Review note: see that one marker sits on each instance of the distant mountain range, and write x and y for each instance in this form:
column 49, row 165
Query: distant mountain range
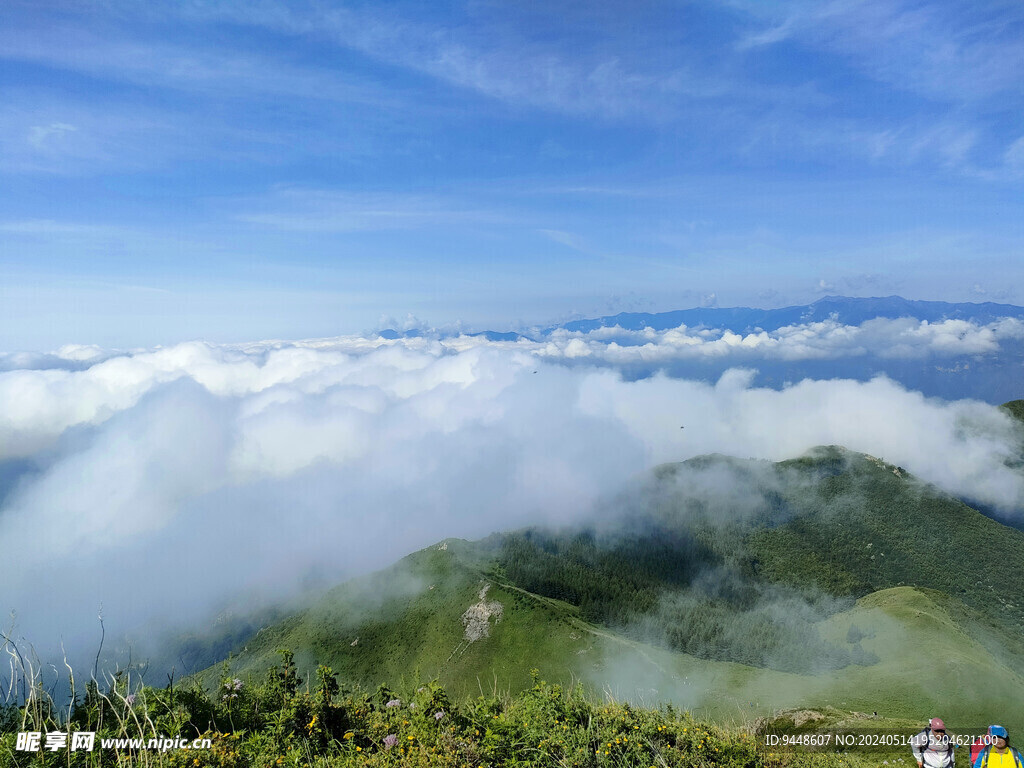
column 843, row 309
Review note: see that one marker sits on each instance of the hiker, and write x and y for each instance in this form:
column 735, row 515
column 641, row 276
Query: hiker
column 999, row 753
column 932, row 748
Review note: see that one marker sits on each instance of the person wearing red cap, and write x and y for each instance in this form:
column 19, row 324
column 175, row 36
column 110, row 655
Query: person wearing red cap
column 932, row 748
column 999, row 753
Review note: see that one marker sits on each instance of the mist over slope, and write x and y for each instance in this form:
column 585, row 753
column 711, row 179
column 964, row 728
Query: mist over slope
column 170, row 482
column 812, row 580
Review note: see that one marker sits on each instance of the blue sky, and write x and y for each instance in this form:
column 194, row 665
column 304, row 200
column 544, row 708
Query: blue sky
column 233, row 171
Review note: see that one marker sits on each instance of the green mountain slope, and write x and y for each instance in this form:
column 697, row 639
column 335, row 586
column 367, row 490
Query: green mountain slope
column 871, row 526
column 929, row 657
column 735, row 587
column 1015, row 408
column 734, row 560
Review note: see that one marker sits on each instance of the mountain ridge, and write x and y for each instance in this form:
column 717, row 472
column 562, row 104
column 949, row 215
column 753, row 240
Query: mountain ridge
column 843, row 309
column 771, row 580
column 848, row 310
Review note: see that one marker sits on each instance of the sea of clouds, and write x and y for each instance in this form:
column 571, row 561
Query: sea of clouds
column 165, row 483
column 900, row 338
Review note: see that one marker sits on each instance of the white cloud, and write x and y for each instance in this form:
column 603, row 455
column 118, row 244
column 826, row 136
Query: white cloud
column 890, row 339
column 960, row 446
column 309, row 210
column 44, row 137
column 169, row 480
column 51, row 400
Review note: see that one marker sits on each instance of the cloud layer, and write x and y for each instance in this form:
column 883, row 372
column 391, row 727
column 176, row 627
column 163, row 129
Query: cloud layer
column 901, row 338
column 163, row 482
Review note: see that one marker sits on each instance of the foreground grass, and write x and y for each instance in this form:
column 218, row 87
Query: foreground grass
column 284, row 721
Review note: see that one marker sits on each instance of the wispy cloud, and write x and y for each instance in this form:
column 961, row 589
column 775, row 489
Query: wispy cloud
column 935, row 55
column 943, row 51
column 496, row 53
column 43, row 137
column 41, row 132
column 584, row 66
column 51, row 227
column 312, row 210
column 568, row 239
column 483, row 59
column 217, row 104
column 1014, row 156
column 220, row 72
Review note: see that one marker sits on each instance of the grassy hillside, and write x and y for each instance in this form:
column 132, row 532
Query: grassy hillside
column 736, row 588
column 423, row 637
column 872, row 526
column 736, row 560
column 408, row 622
